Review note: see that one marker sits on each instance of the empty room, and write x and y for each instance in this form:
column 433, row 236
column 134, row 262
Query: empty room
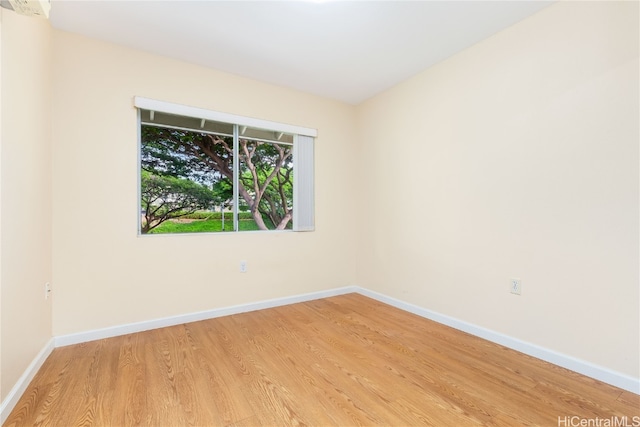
column 326, row 213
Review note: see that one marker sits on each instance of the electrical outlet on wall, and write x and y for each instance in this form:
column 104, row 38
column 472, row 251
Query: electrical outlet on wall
column 516, row 286
column 47, row 290
column 243, row 266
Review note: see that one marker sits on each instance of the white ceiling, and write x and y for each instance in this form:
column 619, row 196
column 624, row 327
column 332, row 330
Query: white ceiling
column 346, row 50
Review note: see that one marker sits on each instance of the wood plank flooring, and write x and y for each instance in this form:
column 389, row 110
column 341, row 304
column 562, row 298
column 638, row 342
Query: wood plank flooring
column 341, row 361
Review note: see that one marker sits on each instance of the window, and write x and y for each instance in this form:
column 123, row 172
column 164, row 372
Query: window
column 204, row 171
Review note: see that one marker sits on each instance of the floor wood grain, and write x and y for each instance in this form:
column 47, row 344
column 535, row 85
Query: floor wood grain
column 341, row 361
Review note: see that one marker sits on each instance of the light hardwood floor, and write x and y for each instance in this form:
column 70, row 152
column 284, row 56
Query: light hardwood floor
column 341, row 361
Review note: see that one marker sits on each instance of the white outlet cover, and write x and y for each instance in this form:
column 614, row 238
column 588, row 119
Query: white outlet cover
column 516, row 286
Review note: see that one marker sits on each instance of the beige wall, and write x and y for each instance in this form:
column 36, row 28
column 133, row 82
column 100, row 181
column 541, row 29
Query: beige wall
column 105, row 274
column 25, row 257
column 516, row 158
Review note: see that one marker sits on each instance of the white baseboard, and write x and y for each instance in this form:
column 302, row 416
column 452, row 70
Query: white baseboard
column 131, row 328
column 21, row 385
column 586, row 368
column 603, row 374
column 577, row 365
column 18, row 390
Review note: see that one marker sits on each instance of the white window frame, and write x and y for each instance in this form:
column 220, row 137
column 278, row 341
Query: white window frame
column 303, row 154
column 216, row 116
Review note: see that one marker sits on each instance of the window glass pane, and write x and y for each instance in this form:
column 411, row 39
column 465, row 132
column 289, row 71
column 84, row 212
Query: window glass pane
column 265, row 185
column 185, row 181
